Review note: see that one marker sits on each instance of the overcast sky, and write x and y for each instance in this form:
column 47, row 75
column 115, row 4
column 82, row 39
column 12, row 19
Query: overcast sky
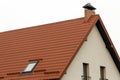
column 17, row 14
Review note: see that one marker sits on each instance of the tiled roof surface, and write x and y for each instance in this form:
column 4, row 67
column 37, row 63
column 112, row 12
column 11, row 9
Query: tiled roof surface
column 54, row 45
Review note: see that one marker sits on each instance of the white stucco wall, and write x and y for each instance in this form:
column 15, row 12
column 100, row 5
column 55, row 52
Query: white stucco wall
column 94, row 52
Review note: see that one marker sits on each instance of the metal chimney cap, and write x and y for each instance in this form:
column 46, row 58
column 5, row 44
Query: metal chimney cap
column 89, row 6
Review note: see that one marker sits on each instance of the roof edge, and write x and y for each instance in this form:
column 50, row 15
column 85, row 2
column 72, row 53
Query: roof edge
column 103, row 32
column 108, row 42
column 91, row 26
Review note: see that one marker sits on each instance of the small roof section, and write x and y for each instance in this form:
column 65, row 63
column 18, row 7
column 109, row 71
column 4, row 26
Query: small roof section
column 89, row 6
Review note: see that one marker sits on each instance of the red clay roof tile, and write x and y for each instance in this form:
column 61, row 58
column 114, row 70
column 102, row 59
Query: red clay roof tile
column 54, row 45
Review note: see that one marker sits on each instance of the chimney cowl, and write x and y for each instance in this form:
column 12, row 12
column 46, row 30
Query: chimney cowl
column 89, row 6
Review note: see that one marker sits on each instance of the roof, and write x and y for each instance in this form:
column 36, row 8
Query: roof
column 54, row 45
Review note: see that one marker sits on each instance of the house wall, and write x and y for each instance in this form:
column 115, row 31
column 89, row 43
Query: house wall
column 94, row 52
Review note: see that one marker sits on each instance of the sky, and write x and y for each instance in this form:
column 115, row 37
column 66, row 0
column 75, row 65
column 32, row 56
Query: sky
column 17, row 14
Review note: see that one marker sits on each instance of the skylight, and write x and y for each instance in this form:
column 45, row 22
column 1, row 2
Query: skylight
column 30, row 66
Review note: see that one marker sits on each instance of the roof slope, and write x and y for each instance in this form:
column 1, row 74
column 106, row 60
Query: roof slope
column 54, row 45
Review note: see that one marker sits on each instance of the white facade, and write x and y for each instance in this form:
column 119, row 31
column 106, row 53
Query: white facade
column 95, row 53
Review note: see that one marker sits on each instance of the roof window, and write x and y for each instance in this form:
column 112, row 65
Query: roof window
column 31, row 65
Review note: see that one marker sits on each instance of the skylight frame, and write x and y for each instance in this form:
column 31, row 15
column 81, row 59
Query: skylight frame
column 30, row 67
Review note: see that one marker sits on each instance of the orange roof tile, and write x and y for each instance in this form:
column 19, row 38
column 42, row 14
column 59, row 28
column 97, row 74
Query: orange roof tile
column 54, row 45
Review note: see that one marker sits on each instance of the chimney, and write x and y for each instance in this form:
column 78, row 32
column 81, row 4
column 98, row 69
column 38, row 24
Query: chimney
column 89, row 11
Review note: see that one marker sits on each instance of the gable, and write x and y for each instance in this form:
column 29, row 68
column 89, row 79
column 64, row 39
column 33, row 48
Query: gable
column 109, row 45
column 52, row 45
column 94, row 52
